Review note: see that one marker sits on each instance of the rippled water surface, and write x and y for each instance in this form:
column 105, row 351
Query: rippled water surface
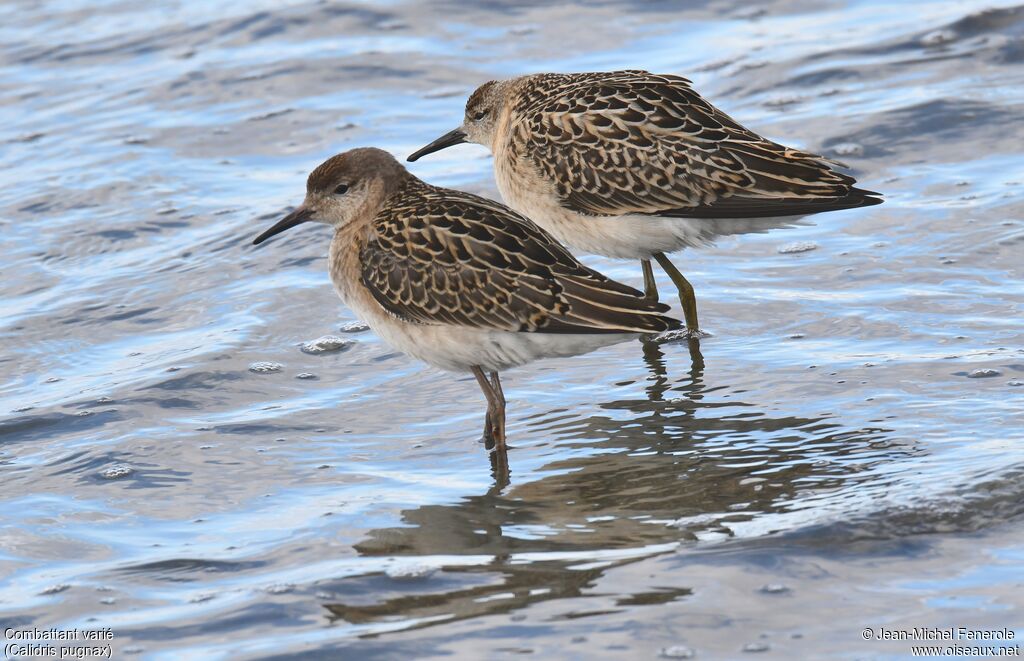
column 846, row 453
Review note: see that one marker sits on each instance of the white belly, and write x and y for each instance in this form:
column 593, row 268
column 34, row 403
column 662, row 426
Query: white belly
column 457, row 349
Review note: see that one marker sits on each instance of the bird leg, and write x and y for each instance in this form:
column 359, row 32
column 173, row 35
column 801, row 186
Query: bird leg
column 499, row 458
column 488, row 391
column 650, row 286
column 498, row 417
column 686, row 295
column 494, row 427
column 488, row 429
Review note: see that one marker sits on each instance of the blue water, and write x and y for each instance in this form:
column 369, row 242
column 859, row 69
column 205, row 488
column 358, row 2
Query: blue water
column 852, row 432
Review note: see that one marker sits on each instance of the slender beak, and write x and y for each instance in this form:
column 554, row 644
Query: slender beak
column 297, row 217
column 456, row 137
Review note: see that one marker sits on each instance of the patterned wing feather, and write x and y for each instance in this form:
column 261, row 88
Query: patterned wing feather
column 443, row 257
column 634, row 142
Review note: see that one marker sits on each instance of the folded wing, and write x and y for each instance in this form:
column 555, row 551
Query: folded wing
column 631, row 142
column 445, row 257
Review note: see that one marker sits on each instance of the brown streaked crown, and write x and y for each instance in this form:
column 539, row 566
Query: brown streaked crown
column 479, row 97
column 354, row 166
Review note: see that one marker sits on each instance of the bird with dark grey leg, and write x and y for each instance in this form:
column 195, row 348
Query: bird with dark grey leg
column 635, row 165
column 458, row 281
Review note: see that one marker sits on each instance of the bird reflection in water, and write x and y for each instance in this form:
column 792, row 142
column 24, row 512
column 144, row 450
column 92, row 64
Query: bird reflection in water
column 637, row 477
column 654, row 358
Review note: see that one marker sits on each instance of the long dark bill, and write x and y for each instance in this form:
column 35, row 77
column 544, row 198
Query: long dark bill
column 456, row 137
column 297, row 217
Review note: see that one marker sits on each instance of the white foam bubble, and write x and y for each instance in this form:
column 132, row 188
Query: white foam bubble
column 797, row 246
column 326, row 344
column 265, row 367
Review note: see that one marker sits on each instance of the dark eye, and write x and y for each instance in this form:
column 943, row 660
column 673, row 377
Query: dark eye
column 341, row 189
column 479, row 115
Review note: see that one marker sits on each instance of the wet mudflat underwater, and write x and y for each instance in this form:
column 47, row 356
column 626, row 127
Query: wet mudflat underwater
column 202, row 450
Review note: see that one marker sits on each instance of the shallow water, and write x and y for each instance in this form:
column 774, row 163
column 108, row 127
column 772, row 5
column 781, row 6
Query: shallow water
column 847, row 453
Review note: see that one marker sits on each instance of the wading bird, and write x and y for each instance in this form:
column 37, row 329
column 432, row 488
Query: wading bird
column 458, row 281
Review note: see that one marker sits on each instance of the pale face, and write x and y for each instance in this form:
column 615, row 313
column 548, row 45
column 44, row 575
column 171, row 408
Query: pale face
column 482, row 112
column 340, row 203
